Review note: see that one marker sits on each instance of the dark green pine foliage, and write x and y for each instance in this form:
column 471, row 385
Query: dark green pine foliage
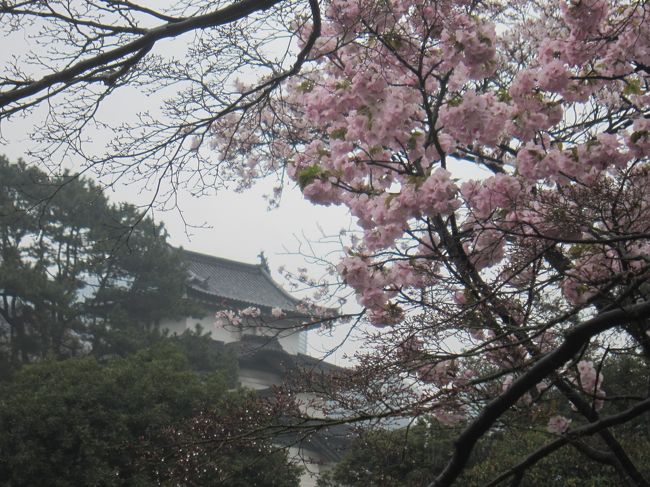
column 78, row 273
column 89, row 422
column 401, row 457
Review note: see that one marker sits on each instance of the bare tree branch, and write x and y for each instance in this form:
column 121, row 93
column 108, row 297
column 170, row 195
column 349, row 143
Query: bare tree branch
column 574, row 340
column 143, row 44
column 572, row 435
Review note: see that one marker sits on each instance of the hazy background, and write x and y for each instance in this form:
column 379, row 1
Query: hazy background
column 232, row 225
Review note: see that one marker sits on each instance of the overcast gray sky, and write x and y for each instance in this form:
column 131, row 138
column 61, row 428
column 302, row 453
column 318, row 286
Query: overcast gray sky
column 232, row 225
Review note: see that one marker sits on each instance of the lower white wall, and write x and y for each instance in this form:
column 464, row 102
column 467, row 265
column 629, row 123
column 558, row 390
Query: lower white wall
column 222, row 334
column 312, row 462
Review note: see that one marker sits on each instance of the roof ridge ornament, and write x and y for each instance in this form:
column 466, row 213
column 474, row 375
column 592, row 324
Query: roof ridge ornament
column 195, row 278
column 264, row 262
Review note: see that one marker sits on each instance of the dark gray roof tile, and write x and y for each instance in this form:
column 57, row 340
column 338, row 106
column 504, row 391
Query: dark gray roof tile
column 247, row 283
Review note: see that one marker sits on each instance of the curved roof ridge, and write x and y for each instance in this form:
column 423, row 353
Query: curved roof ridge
column 239, row 281
column 223, row 260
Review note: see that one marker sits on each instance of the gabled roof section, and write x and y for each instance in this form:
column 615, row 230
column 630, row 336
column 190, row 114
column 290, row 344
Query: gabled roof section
column 249, row 284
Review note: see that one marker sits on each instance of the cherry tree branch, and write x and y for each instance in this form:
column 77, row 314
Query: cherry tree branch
column 573, row 342
column 571, row 435
column 143, row 44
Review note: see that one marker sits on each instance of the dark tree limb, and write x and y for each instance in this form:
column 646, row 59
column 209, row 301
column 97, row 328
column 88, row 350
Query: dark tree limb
column 140, row 45
column 624, row 463
column 570, row 436
column 573, row 342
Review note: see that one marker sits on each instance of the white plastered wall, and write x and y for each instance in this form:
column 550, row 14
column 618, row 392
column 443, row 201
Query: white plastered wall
column 207, row 323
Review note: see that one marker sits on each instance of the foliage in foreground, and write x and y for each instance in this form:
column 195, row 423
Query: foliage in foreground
column 410, row 457
column 393, row 458
column 84, row 422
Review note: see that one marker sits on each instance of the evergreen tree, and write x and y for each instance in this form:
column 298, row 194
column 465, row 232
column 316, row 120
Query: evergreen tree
column 82, row 421
column 77, row 272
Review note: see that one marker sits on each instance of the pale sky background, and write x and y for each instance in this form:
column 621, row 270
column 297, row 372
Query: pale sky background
column 232, row 225
column 236, row 226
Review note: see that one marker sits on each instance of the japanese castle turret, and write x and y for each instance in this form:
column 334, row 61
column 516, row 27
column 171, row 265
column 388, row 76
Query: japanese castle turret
column 269, row 337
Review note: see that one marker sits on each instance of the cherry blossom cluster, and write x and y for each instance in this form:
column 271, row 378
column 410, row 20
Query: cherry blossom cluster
column 590, row 381
column 546, row 102
column 249, row 316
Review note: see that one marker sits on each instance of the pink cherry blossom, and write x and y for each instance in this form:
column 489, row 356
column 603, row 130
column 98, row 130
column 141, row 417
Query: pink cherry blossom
column 558, row 425
column 496, row 168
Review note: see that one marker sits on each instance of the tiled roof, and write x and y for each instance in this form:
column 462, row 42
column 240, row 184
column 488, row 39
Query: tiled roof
column 249, row 284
